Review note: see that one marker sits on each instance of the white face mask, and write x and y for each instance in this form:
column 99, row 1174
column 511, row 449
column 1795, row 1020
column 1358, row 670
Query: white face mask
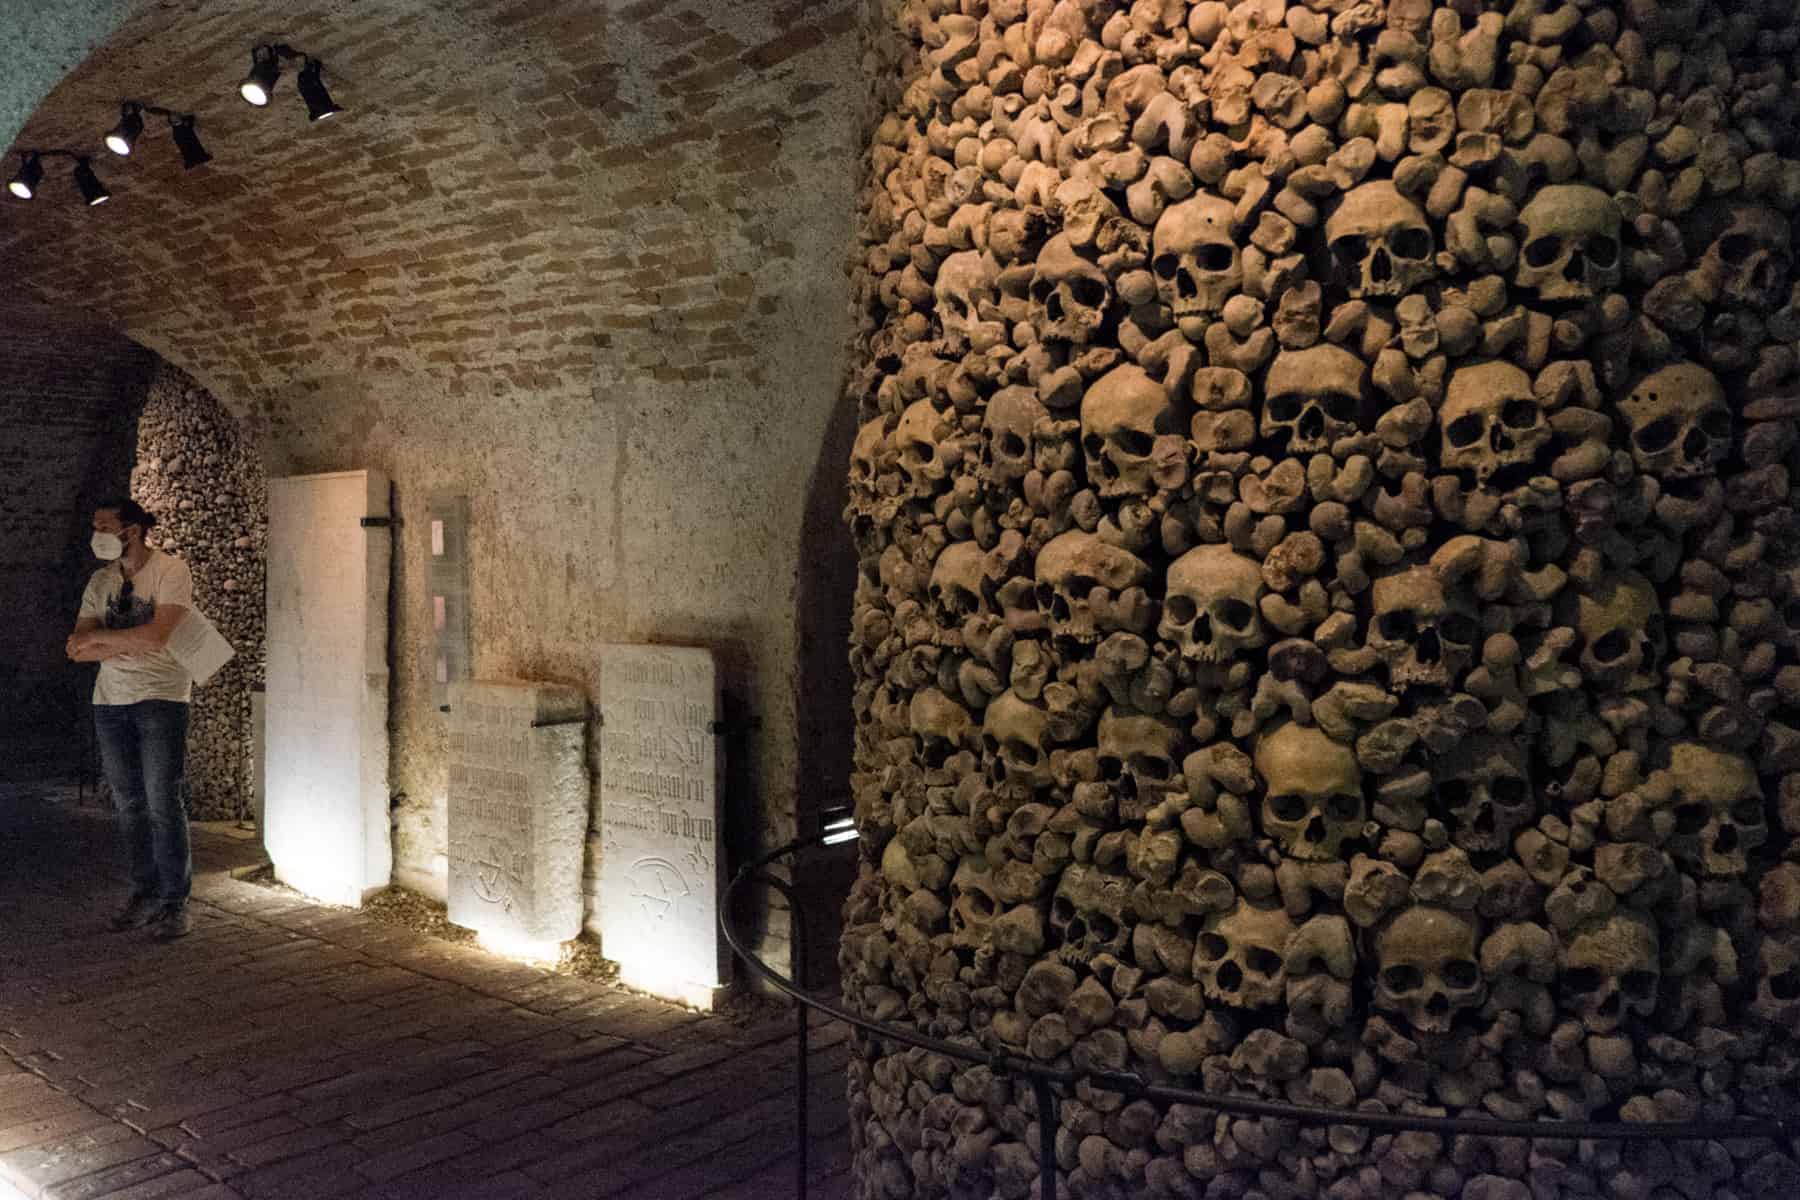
column 107, row 546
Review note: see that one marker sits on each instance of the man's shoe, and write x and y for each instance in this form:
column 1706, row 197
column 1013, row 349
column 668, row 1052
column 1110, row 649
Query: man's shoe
column 138, row 911
column 173, row 922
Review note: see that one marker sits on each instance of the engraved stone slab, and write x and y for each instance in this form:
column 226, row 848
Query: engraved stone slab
column 518, row 808
column 327, row 828
column 660, row 820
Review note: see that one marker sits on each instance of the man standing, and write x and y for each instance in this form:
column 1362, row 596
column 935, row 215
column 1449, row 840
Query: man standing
column 130, row 608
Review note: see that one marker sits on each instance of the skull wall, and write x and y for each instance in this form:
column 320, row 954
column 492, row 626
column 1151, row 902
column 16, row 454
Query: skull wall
column 196, row 471
column 1329, row 618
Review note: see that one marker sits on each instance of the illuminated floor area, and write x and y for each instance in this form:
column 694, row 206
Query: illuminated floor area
column 290, row 1051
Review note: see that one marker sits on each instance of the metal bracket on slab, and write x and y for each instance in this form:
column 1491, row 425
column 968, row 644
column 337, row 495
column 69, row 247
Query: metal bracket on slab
column 377, row 522
column 716, row 728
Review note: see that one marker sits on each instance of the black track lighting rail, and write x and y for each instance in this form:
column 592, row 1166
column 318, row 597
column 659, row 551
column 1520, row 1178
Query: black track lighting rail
column 181, row 125
column 154, row 110
column 266, row 59
column 24, row 183
column 265, row 69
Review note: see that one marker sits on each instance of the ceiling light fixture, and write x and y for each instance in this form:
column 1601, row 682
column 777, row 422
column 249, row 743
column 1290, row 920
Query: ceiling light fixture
column 188, row 142
column 319, row 104
column 265, row 69
column 24, row 184
column 92, row 190
column 125, row 134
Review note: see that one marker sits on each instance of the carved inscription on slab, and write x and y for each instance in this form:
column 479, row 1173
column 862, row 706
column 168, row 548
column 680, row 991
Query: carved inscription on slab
column 660, row 817
column 518, row 808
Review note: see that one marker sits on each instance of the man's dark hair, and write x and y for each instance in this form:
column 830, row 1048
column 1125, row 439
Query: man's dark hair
column 130, row 512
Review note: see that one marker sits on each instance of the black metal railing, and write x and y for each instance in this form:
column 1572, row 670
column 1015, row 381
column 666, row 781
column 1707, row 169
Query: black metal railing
column 1044, row 1079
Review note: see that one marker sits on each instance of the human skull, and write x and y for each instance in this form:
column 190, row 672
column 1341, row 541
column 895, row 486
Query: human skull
column 1078, row 576
column 871, row 454
column 1381, row 244
column 1087, row 914
column 1750, row 255
column 1518, row 961
column 1484, row 788
column 1312, row 792
column 1623, row 638
column 965, row 285
column 1240, row 960
column 959, row 584
column 1321, row 963
column 1211, row 610
column 1426, row 635
column 1313, row 397
column 1137, row 757
column 1571, row 249
column 1007, row 430
column 1680, row 424
column 1720, row 815
column 1016, row 735
column 1122, row 415
column 974, row 903
column 1428, row 967
column 940, row 726
column 1072, row 295
column 1778, row 982
column 1195, row 259
column 1611, row 967
column 1493, row 427
column 1786, row 595
column 919, row 438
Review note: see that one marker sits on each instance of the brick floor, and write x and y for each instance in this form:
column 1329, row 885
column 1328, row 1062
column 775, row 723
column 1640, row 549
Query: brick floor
column 287, row 1050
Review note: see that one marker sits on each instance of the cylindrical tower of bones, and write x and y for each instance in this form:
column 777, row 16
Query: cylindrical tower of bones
column 1329, row 618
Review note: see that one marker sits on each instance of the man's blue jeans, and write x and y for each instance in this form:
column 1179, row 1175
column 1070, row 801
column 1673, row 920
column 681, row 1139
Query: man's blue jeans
column 143, row 749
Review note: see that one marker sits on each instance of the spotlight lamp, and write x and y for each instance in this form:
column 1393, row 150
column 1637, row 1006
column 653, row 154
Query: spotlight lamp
column 181, row 125
column 319, row 104
column 24, row 184
column 92, row 190
column 188, row 142
column 125, row 134
column 31, row 171
column 265, row 69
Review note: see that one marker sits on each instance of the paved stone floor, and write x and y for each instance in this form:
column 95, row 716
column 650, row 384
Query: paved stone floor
column 291, row 1050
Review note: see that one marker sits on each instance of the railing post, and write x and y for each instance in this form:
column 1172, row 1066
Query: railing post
column 1047, row 1125
column 797, row 936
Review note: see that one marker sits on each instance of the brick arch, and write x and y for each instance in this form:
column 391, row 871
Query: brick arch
column 514, row 186
column 578, row 262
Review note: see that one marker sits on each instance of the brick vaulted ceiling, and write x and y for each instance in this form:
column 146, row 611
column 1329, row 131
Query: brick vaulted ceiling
column 516, row 187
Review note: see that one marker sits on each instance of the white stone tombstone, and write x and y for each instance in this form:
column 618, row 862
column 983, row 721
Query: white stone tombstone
column 327, row 700
column 661, row 870
column 518, row 811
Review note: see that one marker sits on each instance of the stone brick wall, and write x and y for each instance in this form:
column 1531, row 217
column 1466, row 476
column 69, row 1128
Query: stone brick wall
column 69, row 398
column 578, row 262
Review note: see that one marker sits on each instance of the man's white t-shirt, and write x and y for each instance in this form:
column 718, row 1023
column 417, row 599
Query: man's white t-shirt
column 129, row 678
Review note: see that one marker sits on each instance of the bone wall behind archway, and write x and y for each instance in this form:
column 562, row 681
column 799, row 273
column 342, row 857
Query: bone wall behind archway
column 1329, row 617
